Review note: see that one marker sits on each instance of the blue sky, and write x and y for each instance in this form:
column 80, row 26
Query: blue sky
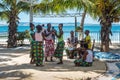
column 88, row 20
column 25, row 18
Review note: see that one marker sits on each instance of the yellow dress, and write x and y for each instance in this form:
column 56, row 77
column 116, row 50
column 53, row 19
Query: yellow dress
column 88, row 38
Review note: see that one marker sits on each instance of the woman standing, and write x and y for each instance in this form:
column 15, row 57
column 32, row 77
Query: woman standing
column 37, row 46
column 60, row 45
column 31, row 34
column 49, row 43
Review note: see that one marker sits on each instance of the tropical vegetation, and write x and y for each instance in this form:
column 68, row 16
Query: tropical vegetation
column 105, row 11
column 9, row 10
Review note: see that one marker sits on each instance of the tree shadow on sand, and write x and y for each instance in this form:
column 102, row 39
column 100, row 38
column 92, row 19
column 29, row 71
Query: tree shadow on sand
column 98, row 67
column 6, row 54
column 115, row 49
column 14, row 75
column 66, row 78
column 14, row 50
column 4, row 59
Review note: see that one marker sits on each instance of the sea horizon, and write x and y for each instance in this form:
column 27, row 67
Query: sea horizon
column 93, row 28
column 27, row 23
column 23, row 26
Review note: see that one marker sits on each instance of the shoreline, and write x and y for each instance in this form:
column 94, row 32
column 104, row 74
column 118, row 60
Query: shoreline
column 4, row 40
column 5, row 24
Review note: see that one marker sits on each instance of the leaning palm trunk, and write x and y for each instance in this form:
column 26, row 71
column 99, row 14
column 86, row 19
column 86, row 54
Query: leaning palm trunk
column 82, row 24
column 105, row 35
column 12, row 39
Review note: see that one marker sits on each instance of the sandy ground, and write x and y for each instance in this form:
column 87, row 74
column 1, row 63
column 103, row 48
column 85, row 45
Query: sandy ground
column 14, row 65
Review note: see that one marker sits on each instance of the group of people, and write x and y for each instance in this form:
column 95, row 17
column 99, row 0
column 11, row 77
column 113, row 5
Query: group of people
column 84, row 52
column 41, row 52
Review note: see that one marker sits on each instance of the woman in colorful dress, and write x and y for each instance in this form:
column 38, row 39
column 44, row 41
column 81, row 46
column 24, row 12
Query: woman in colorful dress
column 31, row 34
column 49, row 43
column 60, row 45
column 37, row 46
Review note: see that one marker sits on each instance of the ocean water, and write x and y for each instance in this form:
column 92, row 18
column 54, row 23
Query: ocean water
column 67, row 27
column 94, row 30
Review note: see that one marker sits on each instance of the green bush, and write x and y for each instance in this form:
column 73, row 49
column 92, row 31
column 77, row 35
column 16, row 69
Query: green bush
column 21, row 36
column 78, row 28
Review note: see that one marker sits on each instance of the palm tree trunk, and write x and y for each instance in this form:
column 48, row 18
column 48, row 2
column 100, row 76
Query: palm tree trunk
column 12, row 31
column 105, row 39
column 82, row 24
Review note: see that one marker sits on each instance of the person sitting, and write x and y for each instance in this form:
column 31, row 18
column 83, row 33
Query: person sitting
column 86, row 58
column 72, row 45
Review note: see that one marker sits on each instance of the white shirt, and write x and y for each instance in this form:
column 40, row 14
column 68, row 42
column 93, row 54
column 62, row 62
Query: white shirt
column 38, row 36
column 89, row 57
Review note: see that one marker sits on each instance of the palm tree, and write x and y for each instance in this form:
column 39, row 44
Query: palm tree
column 107, row 11
column 50, row 6
column 9, row 11
column 61, row 6
column 79, row 5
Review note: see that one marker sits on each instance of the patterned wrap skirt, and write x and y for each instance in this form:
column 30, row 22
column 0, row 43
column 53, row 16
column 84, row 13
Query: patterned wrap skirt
column 80, row 62
column 59, row 49
column 31, row 51
column 37, row 50
column 49, row 48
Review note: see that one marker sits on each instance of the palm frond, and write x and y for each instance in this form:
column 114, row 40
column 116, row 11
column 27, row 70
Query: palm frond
column 4, row 6
column 23, row 6
column 4, row 15
column 50, row 6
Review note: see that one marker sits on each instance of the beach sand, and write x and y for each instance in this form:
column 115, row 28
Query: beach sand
column 14, row 65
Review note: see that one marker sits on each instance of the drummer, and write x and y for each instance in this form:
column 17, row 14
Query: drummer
column 72, row 44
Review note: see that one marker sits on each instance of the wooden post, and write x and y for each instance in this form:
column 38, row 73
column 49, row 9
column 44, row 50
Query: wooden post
column 75, row 25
